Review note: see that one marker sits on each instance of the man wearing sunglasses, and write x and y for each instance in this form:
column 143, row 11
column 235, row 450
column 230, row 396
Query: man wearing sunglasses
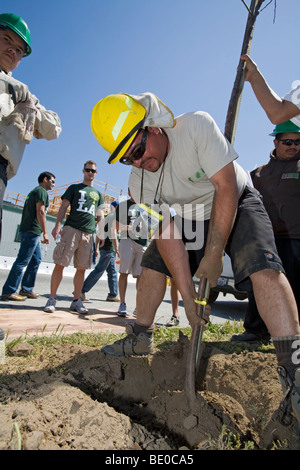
column 278, row 182
column 188, row 164
column 77, row 239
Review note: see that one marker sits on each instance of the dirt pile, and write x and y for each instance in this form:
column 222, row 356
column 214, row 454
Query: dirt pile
column 78, row 398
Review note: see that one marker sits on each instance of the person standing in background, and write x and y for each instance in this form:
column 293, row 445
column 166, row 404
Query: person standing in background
column 77, row 239
column 107, row 262
column 278, row 183
column 131, row 249
column 174, row 320
column 21, row 114
column 33, row 223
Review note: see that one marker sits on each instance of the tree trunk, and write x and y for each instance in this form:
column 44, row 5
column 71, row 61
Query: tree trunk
column 236, row 95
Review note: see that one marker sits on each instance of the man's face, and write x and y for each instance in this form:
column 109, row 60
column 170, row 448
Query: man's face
column 12, row 49
column 89, row 173
column 285, row 146
column 50, row 183
column 156, row 149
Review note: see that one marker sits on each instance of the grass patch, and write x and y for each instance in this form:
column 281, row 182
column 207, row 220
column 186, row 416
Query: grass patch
column 217, row 334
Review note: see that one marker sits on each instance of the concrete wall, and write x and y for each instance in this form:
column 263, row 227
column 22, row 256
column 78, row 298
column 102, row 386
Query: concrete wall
column 10, row 245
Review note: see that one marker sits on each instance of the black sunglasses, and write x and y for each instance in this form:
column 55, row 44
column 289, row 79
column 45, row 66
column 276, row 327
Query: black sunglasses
column 90, row 170
column 290, row 142
column 138, row 151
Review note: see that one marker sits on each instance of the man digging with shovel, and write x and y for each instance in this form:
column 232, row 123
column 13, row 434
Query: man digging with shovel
column 188, row 164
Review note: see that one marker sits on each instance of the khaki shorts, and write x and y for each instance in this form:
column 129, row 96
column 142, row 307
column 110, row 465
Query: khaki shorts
column 131, row 254
column 75, row 243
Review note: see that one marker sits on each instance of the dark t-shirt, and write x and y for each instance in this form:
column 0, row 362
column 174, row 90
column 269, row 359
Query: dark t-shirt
column 126, row 213
column 84, row 201
column 29, row 221
column 279, row 184
column 108, row 244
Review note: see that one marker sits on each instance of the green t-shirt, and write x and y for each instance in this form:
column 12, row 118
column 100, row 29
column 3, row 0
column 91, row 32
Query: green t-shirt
column 84, row 201
column 29, row 221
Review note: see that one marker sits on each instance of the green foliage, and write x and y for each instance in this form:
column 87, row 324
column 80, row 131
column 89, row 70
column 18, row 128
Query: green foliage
column 164, row 338
column 228, row 440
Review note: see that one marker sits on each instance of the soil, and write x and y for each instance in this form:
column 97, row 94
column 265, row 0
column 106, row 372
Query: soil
column 71, row 397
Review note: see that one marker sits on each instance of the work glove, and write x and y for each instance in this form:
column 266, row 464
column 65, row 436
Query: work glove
column 23, row 118
column 18, row 90
column 211, row 268
column 28, row 111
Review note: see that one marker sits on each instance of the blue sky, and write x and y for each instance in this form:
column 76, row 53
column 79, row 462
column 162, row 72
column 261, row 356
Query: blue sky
column 186, row 52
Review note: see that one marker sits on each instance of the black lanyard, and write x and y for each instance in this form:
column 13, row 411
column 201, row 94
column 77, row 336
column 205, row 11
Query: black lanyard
column 160, row 183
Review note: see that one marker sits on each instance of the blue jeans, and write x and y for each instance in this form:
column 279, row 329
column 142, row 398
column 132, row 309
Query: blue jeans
column 106, row 263
column 29, row 255
column 3, row 184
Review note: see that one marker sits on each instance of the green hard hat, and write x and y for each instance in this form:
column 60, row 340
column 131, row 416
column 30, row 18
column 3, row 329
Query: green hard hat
column 18, row 26
column 287, row 126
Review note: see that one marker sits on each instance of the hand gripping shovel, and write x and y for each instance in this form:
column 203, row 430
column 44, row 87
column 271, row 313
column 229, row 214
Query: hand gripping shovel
column 194, row 353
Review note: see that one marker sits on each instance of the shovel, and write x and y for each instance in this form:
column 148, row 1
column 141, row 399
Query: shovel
column 195, row 352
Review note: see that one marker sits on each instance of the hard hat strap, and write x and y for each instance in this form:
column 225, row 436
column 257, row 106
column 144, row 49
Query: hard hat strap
column 118, row 149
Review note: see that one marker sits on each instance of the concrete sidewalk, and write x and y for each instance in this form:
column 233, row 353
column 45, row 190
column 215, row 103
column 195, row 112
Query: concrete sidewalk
column 28, row 318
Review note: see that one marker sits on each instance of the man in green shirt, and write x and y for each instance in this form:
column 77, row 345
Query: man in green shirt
column 33, row 224
column 86, row 204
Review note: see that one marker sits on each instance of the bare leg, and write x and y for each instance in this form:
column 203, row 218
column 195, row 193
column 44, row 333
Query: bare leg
column 151, row 291
column 122, row 286
column 56, row 279
column 276, row 303
column 277, row 307
column 174, row 298
column 78, row 282
column 180, row 269
column 137, row 286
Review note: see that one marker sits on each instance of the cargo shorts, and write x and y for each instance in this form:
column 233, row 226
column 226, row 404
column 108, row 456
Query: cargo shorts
column 251, row 245
column 131, row 254
column 74, row 243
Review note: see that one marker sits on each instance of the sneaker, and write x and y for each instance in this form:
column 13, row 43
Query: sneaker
column 14, row 296
column 112, row 299
column 30, row 295
column 134, row 313
column 122, row 310
column 247, row 337
column 136, row 345
column 83, row 297
column 77, row 306
column 173, row 322
column 50, row 305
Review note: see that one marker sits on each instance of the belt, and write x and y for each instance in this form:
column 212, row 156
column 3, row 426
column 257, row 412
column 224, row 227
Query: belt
column 3, row 161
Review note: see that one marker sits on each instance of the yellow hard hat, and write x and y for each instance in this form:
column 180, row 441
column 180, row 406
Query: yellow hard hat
column 115, row 122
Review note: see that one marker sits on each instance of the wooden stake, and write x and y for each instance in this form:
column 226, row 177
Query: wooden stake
column 236, row 95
